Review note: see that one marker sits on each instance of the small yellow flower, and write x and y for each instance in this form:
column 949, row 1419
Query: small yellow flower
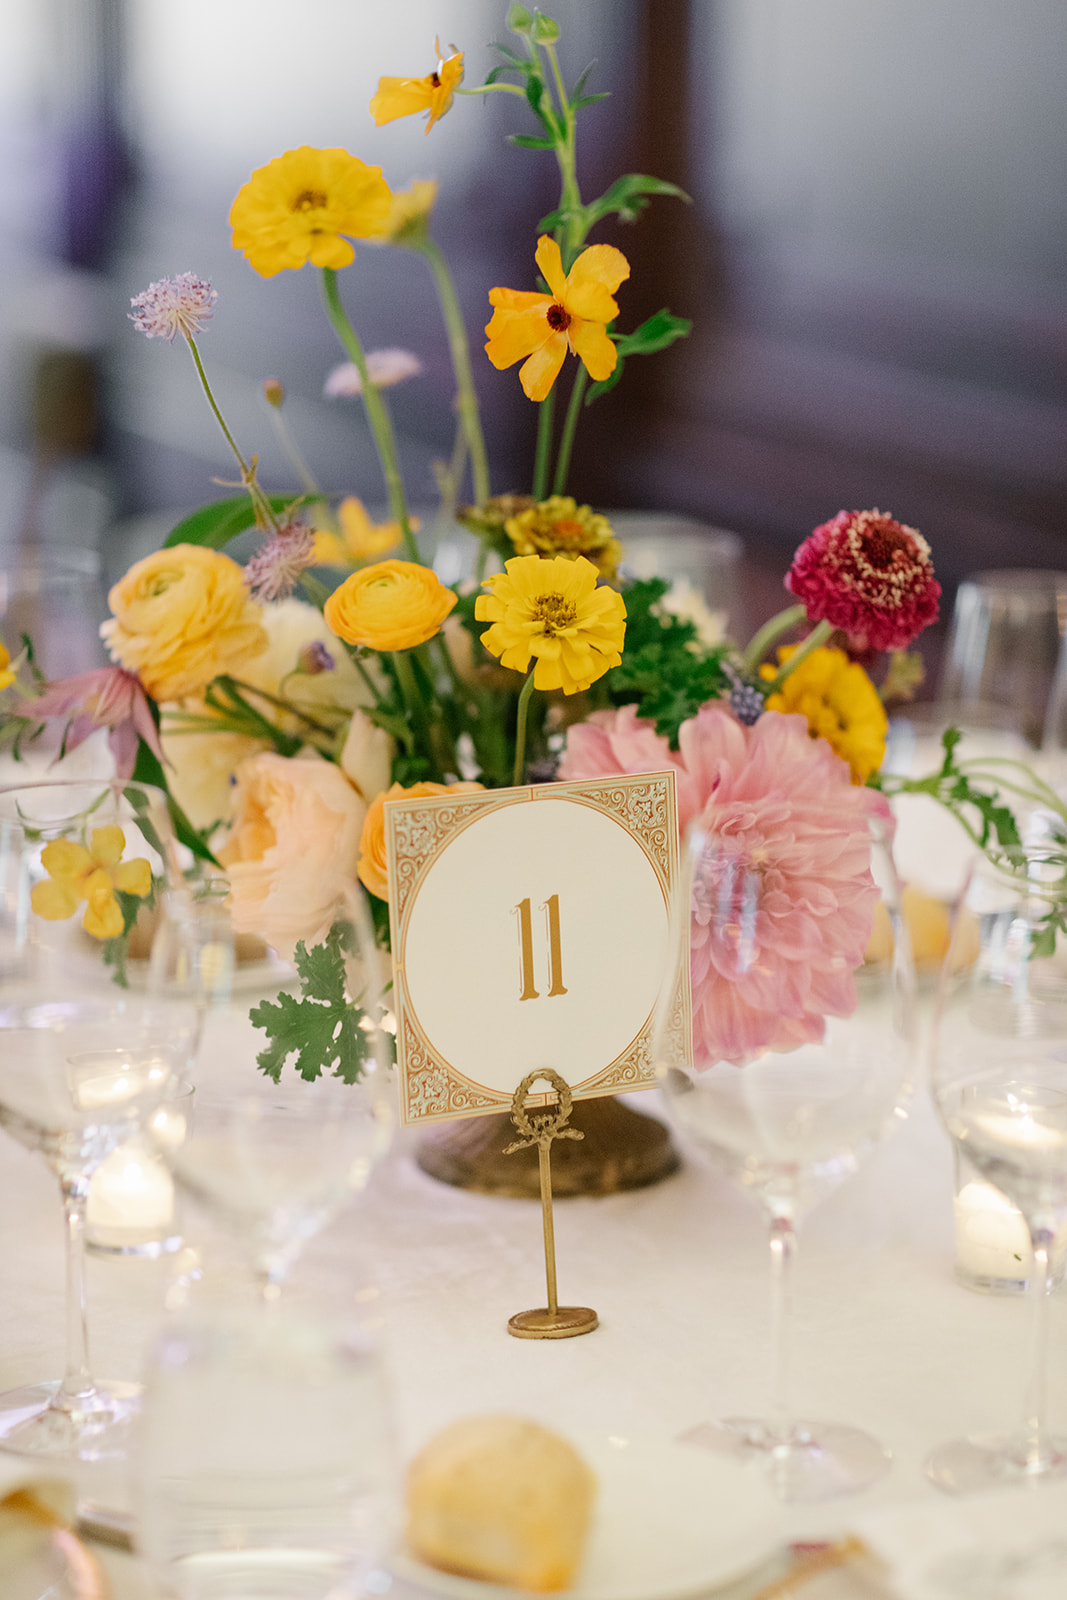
column 552, row 610
column 409, row 212
column 840, row 703
column 93, row 875
column 360, row 539
column 574, row 314
column 403, row 97
column 394, row 605
column 7, row 672
column 559, row 526
column 296, row 208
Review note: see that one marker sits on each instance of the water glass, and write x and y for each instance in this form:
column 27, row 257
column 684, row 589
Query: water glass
column 1002, row 651
column 266, row 1465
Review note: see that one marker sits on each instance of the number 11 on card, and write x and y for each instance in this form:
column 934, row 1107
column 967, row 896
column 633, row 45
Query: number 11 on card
column 528, row 990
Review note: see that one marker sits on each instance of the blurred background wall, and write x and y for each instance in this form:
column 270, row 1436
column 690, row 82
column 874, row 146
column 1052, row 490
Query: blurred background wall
column 875, row 259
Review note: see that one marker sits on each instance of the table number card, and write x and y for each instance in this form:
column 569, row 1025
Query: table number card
column 529, row 930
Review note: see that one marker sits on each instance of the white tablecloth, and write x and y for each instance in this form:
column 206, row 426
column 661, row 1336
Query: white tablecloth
column 883, row 1336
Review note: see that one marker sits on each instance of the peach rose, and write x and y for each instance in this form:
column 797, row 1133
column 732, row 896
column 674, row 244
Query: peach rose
column 293, row 847
column 393, row 605
column 181, row 617
column 371, row 868
column 367, row 756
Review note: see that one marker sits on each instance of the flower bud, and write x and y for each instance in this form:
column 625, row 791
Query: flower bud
column 273, row 393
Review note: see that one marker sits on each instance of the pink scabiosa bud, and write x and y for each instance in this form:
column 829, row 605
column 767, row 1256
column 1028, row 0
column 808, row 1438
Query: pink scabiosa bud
column 384, row 368
column 274, row 570
column 869, row 575
column 173, row 305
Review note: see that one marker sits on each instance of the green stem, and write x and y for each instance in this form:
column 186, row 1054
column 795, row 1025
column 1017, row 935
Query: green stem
column 264, row 513
column 412, row 699
column 771, row 631
column 292, row 451
column 367, row 679
column 520, row 727
column 566, row 158
column 570, row 422
column 818, row 636
column 377, row 415
column 466, row 398
column 545, row 415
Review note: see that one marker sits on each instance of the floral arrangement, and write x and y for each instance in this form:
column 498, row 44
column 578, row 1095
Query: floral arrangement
column 280, row 702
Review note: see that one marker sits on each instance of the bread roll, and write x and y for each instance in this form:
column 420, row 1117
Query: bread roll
column 502, row 1499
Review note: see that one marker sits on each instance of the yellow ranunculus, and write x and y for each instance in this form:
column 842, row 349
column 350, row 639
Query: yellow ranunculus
column 371, row 868
column 393, row 605
column 404, row 97
column 93, row 875
column 574, row 314
column 296, row 208
column 552, row 609
column 840, row 703
column 181, row 617
column 7, row 675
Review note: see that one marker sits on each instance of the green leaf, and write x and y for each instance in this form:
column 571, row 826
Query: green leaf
column 215, row 525
column 589, row 100
column 628, row 197
column 560, row 218
column 603, row 385
column 658, row 331
column 518, row 20
column 545, row 29
column 320, row 1026
column 531, row 141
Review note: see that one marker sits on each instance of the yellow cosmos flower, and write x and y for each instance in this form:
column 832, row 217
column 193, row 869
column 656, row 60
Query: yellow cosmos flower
column 359, row 540
column 552, row 610
column 409, row 212
column 559, row 526
column 93, row 875
column 403, row 97
column 394, row 605
column 7, row 672
column 296, row 208
column 574, row 315
column 840, row 703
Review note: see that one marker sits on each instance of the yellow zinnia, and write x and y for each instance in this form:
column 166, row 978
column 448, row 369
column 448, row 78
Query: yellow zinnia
column 296, row 208
column 552, row 610
column 575, row 314
column 840, row 703
column 93, row 875
column 359, row 540
column 559, row 526
column 403, row 97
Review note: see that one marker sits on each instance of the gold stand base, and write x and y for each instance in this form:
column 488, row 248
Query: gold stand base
column 566, row 1322
column 622, row 1149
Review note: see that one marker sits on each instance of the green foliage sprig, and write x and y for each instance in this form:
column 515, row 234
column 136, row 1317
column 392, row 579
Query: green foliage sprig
column 321, row 1025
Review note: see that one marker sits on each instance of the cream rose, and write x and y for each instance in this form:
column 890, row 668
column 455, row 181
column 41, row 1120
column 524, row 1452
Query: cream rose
column 372, row 869
column 181, row 617
column 393, row 605
column 294, row 846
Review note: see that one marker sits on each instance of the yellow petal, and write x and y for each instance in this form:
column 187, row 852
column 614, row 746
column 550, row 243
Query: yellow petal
column 400, row 97
column 330, row 250
column 550, row 265
column 107, row 845
column 539, row 373
column 53, row 901
column 134, row 877
column 513, row 335
column 590, row 341
column 519, row 299
column 102, row 918
column 601, row 264
column 64, row 859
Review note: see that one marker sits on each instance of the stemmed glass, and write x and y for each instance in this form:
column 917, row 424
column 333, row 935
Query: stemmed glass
column 276, row 1157
column 86, row 1054
column 999, row 1077
column 791, row 1122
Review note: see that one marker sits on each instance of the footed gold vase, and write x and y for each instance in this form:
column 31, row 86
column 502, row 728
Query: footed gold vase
column 622, row 1149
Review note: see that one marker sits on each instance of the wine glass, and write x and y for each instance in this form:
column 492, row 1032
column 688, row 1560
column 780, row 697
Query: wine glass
column 276, row 1158
column 999, row 1076
column 787, row 1111
column 86, row 1054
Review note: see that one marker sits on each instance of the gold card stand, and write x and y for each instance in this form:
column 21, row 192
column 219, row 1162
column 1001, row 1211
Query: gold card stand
column 540, row 1128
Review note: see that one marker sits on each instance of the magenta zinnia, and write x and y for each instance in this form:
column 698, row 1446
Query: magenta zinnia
column 869, row 575
column 793, row 832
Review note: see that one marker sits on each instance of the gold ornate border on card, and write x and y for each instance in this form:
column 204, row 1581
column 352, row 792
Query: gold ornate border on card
column 418, row 830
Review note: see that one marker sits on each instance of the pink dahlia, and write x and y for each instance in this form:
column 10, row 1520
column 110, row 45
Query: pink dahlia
column 784, row 899
column 869, row 575
column 107, row 697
